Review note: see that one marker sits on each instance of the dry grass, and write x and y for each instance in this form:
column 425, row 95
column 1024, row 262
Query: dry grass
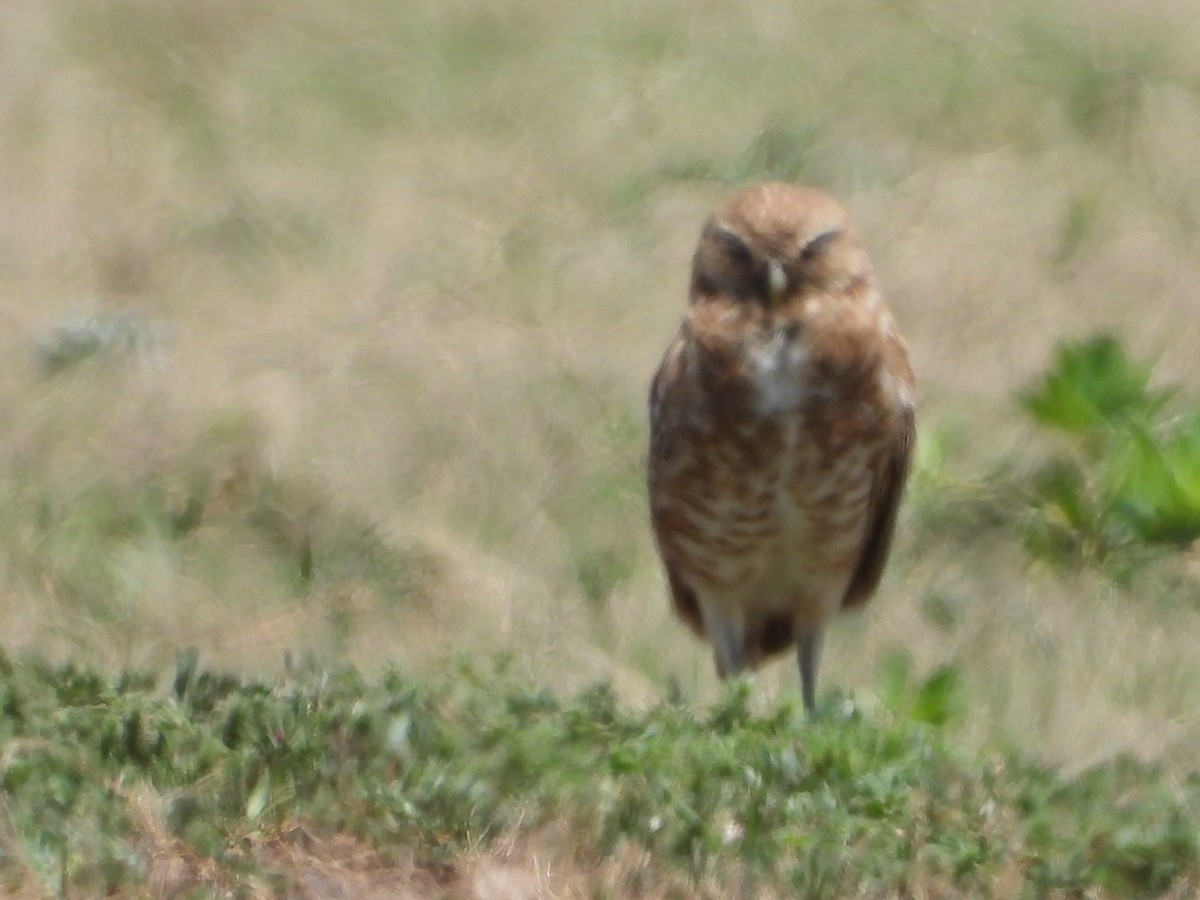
column 548, row 863
column 425, row 259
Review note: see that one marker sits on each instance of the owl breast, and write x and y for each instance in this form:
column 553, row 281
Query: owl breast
column 808, row 496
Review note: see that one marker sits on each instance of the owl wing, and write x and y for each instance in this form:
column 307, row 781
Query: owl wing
column 881, row 518
column 667, row 394
column 670, row 399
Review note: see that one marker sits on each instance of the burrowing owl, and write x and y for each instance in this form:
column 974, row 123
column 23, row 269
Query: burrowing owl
column 781, row 422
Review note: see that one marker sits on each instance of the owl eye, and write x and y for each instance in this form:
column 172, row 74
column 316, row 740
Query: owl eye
column 733, row 244
column 818, row 245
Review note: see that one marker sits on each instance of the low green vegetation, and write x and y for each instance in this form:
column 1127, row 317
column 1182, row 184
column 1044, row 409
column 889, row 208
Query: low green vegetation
column 1110, row 480
column 744, row 797
column 1124, row 480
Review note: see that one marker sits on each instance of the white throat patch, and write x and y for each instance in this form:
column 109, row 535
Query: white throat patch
column 779, row 370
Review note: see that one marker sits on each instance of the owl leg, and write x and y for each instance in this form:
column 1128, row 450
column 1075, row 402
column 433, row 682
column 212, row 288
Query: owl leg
column 726, row 628
column 808, row 652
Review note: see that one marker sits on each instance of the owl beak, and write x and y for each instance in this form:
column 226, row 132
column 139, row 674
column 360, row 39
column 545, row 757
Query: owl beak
column 776, row 280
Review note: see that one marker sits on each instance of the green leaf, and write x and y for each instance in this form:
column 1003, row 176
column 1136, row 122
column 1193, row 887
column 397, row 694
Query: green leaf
column 1152, row 499
column 1183, row 455
column 1091, row 385
column 942, row 699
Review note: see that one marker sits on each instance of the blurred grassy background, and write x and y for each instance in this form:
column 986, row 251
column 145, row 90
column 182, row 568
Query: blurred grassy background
column 327, row 327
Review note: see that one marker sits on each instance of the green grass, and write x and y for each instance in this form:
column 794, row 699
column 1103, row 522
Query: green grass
column 742, row 797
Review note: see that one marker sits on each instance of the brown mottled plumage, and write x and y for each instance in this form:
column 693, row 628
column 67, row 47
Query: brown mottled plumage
column 781, row 423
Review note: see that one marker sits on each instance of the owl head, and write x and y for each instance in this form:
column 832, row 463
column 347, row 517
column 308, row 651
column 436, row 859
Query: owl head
column 772, row 243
